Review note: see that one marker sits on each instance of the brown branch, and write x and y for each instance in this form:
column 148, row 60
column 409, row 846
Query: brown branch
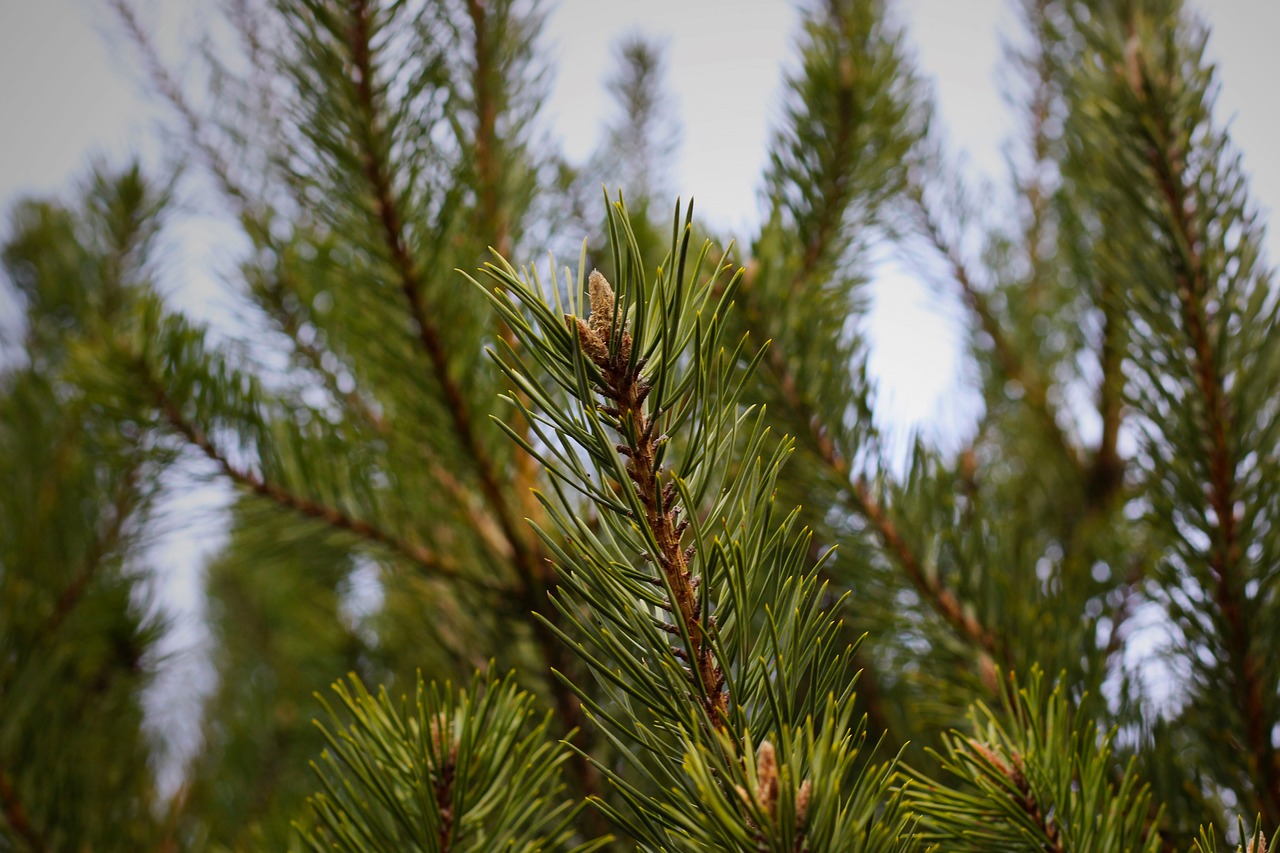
column 494, row 223
column 940, row 598
column 1011, row 363
column 1226, row 551
column 497, row 227
column 625, row 391
column 534, row 571
column 943, row 601
column 411, row 284
column 16, row 814
column 427, row 560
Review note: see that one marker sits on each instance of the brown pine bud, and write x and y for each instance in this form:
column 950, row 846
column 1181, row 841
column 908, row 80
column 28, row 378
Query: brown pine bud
column 443, row 741
column 767, row 778
column 603, row 304
column 992, row 757
column 591, row 344
column 1258, row 844
column 802, row 802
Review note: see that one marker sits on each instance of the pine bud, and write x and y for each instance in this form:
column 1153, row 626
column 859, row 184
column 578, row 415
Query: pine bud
column 443, row 742
column 802, row 802
column 603, row 305
column 591, row 344
column 767, row 778
column 1259, row 843
column 992, row 758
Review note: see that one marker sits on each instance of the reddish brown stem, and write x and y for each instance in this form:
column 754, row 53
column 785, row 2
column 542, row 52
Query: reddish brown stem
column 1226, row 551
column 534, row 571
column 625, row 390
column 939, row 597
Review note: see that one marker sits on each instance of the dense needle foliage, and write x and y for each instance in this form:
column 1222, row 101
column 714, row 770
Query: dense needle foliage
column 636, row 503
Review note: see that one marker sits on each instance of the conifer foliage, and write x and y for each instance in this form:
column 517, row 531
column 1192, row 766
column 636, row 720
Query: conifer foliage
column 639, row 504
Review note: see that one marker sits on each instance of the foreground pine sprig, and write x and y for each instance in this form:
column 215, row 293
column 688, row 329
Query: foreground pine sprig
column 691, row 600
column 447, row 771
column 1034, row 775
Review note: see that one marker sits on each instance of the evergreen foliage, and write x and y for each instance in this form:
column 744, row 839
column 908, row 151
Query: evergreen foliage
column 640, row 504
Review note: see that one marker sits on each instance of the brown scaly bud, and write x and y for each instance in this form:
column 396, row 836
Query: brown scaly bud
column 442, row 736
column 803, row 796
column 591, row 344
column 603, row 304
column 1018, row 777
column 1258, row 844
column 767, row 778
column 987, row 672
column 992, row 757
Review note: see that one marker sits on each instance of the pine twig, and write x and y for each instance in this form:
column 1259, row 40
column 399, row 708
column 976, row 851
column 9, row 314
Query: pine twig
column 103, row 544
column 1025, row 798
column 861, row 500
column 1011, row 363
column 168, row 88
column 411, row 284
column 534, row 570
column 943, row 601
column 1225, row 554
column 625, row 392
column 427, row 560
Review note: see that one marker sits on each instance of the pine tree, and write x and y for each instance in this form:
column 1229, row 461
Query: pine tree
column 611, row 554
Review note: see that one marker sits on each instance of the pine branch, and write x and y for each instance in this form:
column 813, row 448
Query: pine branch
column 167, row 87
column 1107, row 474
column 496, row 226
column 102, row 545
column 943, row 601
column 860, row 499
column 428, row 561
column 273, row 300
column 494, row 222
column 1105, row 470
column 16, row 815
column 411, row 285
column 1040, row 102
column 1036, row 775
column 625, row 391
column 1012, row 364
column 534, row 571
column 1021, row 794
column 1226, row 552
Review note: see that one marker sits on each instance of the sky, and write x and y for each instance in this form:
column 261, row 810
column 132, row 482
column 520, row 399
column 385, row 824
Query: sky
column 69, row 92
